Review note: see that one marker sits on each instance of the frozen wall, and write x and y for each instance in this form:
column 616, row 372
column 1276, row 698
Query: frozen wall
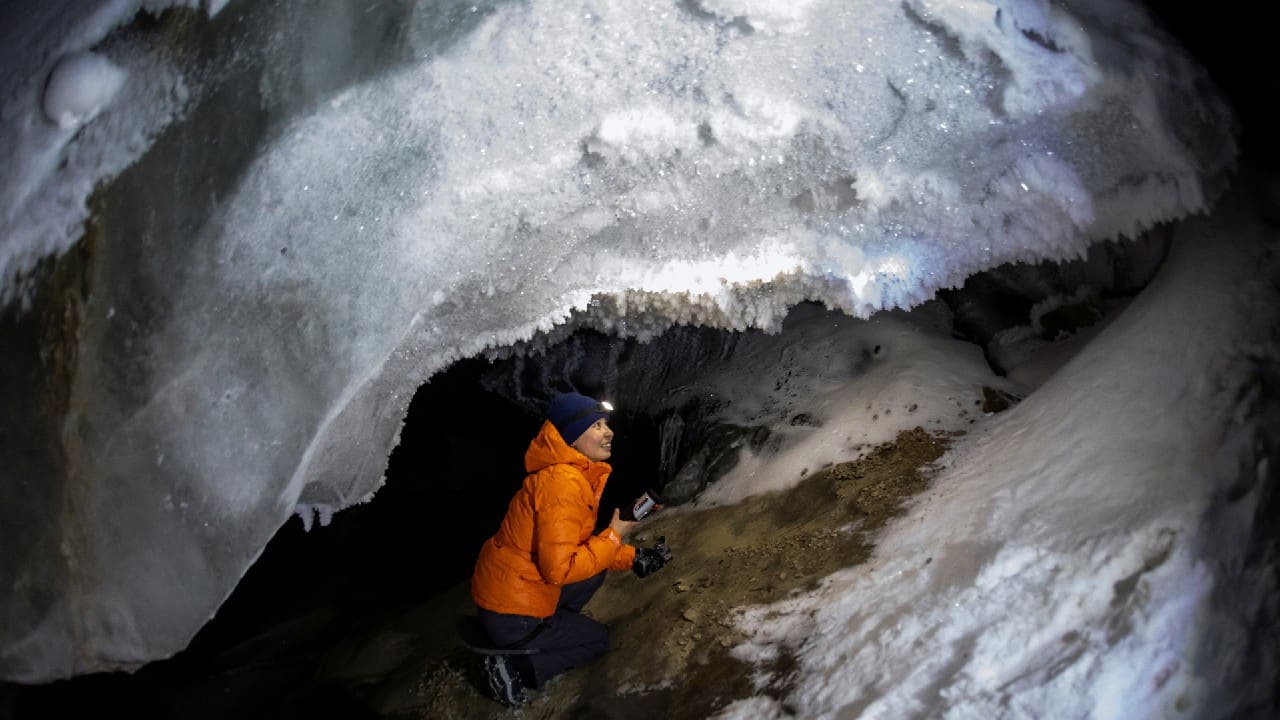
column 500, row 171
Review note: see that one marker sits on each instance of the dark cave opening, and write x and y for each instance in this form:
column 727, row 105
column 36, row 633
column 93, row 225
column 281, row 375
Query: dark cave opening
column 1234, row 45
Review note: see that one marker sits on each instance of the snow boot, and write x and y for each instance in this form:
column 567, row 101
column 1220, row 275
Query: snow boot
column 503, row 681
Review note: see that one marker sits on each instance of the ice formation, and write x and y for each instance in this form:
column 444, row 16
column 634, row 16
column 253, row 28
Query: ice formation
column 54, row 82
column 619, row 165
column 80, row 86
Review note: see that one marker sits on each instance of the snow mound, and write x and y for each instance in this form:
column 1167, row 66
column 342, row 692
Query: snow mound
column 1092, row 551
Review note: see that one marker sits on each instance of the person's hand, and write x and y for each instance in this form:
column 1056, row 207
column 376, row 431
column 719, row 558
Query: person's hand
column 620, row 526
column 650, row 560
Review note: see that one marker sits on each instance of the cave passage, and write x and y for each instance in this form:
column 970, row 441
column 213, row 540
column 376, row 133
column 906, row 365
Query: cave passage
column 448, row 482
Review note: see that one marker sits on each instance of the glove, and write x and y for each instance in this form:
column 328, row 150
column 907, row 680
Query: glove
column 649, row 560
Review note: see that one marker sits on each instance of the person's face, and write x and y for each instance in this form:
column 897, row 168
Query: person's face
column 596, row 442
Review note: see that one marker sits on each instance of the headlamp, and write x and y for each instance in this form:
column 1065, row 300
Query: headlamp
column 598, row 408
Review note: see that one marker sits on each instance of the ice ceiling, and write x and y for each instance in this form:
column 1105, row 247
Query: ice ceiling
column 305, row 216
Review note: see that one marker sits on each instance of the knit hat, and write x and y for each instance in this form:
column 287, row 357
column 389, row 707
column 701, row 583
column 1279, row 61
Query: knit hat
column 572, row 413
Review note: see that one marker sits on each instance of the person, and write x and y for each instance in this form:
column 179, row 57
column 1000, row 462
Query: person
column 533, row 577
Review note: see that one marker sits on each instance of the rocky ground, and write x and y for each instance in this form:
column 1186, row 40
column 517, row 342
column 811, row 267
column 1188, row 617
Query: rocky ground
column 671, row 632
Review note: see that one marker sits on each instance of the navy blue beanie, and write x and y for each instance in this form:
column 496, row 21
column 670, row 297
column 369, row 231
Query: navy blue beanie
column 572, row 413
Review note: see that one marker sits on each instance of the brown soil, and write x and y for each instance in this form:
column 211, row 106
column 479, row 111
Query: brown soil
column 672, row 632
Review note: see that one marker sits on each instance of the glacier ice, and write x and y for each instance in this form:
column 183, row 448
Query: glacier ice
column 79, row 87
column 521, row 169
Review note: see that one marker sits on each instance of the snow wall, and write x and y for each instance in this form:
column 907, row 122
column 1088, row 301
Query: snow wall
column 307, row 209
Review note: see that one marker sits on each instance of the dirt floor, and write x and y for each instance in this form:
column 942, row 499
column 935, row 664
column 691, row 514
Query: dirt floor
column 671, row 632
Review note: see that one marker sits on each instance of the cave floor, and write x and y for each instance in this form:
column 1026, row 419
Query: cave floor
column 672, row 632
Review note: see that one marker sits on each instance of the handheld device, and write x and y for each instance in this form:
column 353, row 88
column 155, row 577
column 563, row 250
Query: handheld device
column 645, row 504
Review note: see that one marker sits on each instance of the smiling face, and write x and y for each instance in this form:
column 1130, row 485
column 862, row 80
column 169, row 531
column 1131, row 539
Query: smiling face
column 596, row 442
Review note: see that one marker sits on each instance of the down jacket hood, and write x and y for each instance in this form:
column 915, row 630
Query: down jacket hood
column 548, row 448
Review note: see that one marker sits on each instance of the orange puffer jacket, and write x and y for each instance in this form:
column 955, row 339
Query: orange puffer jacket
column 545, row 540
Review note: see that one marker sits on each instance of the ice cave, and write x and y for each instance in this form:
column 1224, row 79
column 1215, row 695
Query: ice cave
column 949, row 329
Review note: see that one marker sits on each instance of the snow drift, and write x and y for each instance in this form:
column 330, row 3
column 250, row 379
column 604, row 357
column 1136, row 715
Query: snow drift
column 1101, row 550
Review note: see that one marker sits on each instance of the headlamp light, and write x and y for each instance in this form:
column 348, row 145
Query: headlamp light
column 597, row 409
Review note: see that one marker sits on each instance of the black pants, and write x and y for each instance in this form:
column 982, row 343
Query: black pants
column 564, row 640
